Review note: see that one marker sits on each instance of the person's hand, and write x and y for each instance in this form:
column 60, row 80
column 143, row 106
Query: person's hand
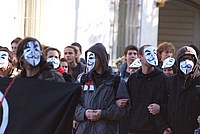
column 75, row 124
column 154, row 108
column 168, row 131
column 93, row 115
column 88, row 113
column 121, row 103
column 96, row 115
column 198, row 119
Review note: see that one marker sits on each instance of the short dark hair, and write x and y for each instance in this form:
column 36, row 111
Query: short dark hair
column 63, row 60
column 52, row 49
column 16, row 40
column 78, row 45
column 141, row 49
column 130, row 47
column 75, row 50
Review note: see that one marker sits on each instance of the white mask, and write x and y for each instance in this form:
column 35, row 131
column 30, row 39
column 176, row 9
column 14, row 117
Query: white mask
column 90, row 61
column 150, row 55
column 32, row 53
column 3, row 59
column 54, row 61
column 136, row 63
column 169, row 62
column 186, row 66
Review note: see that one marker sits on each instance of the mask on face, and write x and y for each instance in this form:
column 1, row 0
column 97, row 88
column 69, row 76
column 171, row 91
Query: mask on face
column 32, row 53
column 3, row 59
column 54, row 61
column 151, row 55
column 186, row 66
column 90, row 61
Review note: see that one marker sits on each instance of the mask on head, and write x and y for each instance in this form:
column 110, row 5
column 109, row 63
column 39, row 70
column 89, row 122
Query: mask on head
column 151, row 55
column 3, row 59
column 90, row 61
column 186, row 66
column 169, row 62
column 54, row 61
column 32, row 53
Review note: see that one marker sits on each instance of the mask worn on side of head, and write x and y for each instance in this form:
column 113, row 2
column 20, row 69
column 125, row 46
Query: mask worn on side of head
column 3, row 59
column 150, row 55
column 90, row 61
column 186, row 66
column 32, row 53
column 54, row 61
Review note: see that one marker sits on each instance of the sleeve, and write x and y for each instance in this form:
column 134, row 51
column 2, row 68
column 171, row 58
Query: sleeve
column 113, row 112
column 80, row 113
column 161, row 118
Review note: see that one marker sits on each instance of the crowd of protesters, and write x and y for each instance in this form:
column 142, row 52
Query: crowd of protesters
column 156, row 90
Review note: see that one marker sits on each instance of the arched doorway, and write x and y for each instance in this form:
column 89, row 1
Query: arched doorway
column 179, row 23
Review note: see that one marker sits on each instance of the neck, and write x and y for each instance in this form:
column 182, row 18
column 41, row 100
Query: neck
column 147, row 69
column 128, row 69
column 78, row 60
column 32, row 71
column 73, row 64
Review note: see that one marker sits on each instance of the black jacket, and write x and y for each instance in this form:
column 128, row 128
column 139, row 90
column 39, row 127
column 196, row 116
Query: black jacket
column 100, row 92
column 145, row 89
column 102, row 97
column 184, row 104
column 47, row 72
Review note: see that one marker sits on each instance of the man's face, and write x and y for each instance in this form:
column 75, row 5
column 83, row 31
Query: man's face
column 3, row 59
column 90, row 61
column 151, row 55
column 69, row 55
column 32, row 53
column 53, row 57
column 131, row 56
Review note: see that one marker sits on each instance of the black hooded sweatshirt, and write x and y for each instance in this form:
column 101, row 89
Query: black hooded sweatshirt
column 145, row 89
column 184, row 96
column 100, row 51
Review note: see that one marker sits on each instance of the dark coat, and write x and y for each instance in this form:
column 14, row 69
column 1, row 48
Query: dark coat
column 184, row 96
column 100, row 92
column 145, row 89
column 47, row 72
column 184, row 104
column 103, row 98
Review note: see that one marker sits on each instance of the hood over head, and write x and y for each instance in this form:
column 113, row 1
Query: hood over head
column 186, row 50
column 102, row 54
